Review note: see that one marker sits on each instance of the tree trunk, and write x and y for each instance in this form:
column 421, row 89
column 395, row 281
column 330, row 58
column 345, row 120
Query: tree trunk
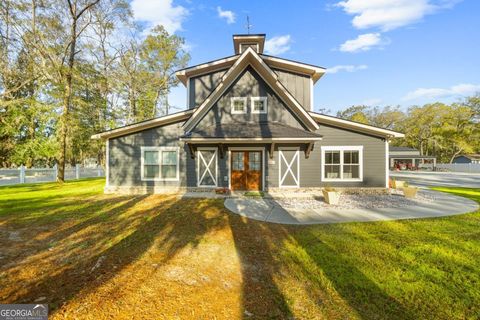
column 67, row 98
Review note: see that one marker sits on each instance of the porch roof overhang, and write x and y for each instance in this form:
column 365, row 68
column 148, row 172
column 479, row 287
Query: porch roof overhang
column 250, row 133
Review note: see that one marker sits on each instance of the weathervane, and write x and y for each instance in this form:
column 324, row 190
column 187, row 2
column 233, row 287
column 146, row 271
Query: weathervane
column 248, row 25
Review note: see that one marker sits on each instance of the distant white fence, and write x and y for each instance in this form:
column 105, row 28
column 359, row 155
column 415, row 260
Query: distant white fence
column 33, row 175
column 459, row 167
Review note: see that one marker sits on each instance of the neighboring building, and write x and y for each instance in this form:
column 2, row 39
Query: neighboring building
column 467, row 158
column 405, row 158
column 249, row 125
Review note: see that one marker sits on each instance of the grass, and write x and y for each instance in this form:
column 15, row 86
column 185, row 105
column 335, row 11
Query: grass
column 90, row 255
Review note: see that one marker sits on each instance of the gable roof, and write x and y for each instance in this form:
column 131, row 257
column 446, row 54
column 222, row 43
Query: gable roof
column 356, row 126
column 395, row 149
column 470, row 156
column 316, row 72
column 250, row 58
column 144, row 125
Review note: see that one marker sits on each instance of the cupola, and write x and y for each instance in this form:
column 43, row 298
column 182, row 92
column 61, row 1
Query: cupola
column 242, row 42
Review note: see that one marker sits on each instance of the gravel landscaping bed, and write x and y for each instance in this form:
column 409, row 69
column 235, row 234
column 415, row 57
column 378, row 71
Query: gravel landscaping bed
column 353, row 201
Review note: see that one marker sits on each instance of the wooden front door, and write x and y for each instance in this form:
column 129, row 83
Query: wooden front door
column 246, row 173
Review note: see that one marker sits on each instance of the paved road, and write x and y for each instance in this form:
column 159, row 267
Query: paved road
column 437, row 179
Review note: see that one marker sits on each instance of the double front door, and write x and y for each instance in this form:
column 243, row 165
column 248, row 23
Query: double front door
column 246, row 170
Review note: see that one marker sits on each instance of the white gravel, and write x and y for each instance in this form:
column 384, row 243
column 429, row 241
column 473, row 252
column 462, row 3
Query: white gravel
column 352, row 201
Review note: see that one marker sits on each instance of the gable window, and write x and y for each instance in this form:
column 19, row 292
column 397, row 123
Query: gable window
column 159, row 163
column 343, row 163
column 259, row 104
column 239, row 105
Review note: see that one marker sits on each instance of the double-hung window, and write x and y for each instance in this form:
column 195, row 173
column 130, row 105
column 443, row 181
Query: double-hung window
column 342, row 163
column 159, row 163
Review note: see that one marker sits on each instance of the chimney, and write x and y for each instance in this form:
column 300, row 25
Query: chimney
column 242, row 42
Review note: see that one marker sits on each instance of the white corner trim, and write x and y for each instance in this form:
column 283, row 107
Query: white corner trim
column 107, row 163
column 245, row 107
column 342, row 149
column 207, row 167
column 159, row 149
column 312, row 105
column 264, row 99
column 282, row 161
column 387, row 171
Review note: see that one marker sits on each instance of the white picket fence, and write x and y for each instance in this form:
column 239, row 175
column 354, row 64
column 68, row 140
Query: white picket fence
column 459, row 167
column 33, row 175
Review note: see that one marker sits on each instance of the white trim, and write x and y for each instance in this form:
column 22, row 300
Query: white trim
column 249, row 140
column 230, row 149
column 188, row 92
column 207, row 167
column 245, row 106
column 247, row 44
column 107, row 163
column 296, row 157
column 312, row 105
column 253, row 99
column 346, row 124
column 387, row 170
column 342, row 149
column 159, row 150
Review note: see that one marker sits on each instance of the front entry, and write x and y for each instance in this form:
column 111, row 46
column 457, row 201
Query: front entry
column 246, row 173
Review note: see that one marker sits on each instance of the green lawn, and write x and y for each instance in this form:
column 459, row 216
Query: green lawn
column 91, row 255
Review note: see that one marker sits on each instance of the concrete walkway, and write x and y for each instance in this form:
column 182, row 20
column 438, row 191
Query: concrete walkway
column 267, row 210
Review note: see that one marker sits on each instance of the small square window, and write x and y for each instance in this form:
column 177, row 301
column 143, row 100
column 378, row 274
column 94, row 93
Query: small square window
column 259, row 104
column 239, row 105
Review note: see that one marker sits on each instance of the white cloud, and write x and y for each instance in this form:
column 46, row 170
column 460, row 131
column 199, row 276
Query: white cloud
column 391, row 14
column 227, row 14
column 459, row 90
column 347, row 68
column 278, row 45
column 363, row 42
column 159, row 12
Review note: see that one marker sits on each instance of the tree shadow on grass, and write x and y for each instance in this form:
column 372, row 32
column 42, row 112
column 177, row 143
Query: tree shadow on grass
column 255, row 243
column 166, row 222
column 361, row 293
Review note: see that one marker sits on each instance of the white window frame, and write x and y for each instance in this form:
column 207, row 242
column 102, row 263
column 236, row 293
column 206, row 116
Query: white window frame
column 281, row 163
column 159, row 150
column 253, row 99
column 342, row 149
column 243, row 99
column 216, row 166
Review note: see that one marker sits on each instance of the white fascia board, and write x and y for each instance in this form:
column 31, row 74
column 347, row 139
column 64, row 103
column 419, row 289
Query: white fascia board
column 356, row 126
column 144, row 125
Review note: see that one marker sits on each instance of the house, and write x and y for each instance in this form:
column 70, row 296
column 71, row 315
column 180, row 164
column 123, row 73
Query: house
column 405, row 158
column 467, row 158
column 249, row 125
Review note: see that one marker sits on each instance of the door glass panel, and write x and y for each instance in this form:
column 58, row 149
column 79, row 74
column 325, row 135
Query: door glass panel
column 237, row 161
column 254, row 161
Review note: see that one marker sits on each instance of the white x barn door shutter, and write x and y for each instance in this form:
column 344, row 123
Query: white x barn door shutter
column 207, row 167
column 289, row 168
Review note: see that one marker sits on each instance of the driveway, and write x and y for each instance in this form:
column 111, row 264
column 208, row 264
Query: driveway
column 268, row 210
column 438, row 179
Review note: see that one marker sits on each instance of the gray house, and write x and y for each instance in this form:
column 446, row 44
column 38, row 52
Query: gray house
column 249, row 125
column 403, row 158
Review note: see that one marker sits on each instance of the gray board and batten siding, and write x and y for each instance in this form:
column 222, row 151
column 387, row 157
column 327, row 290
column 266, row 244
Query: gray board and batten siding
column 200, row 87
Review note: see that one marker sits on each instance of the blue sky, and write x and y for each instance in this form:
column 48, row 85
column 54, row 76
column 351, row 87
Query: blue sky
column 378, row 52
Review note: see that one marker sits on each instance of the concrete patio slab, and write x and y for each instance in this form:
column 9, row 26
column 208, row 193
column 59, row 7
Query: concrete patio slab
column 269, row 211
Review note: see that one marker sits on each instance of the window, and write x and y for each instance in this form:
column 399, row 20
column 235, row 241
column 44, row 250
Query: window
column 342, row 163
column 259, row 104
column 239, row 105
column 159, row 163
